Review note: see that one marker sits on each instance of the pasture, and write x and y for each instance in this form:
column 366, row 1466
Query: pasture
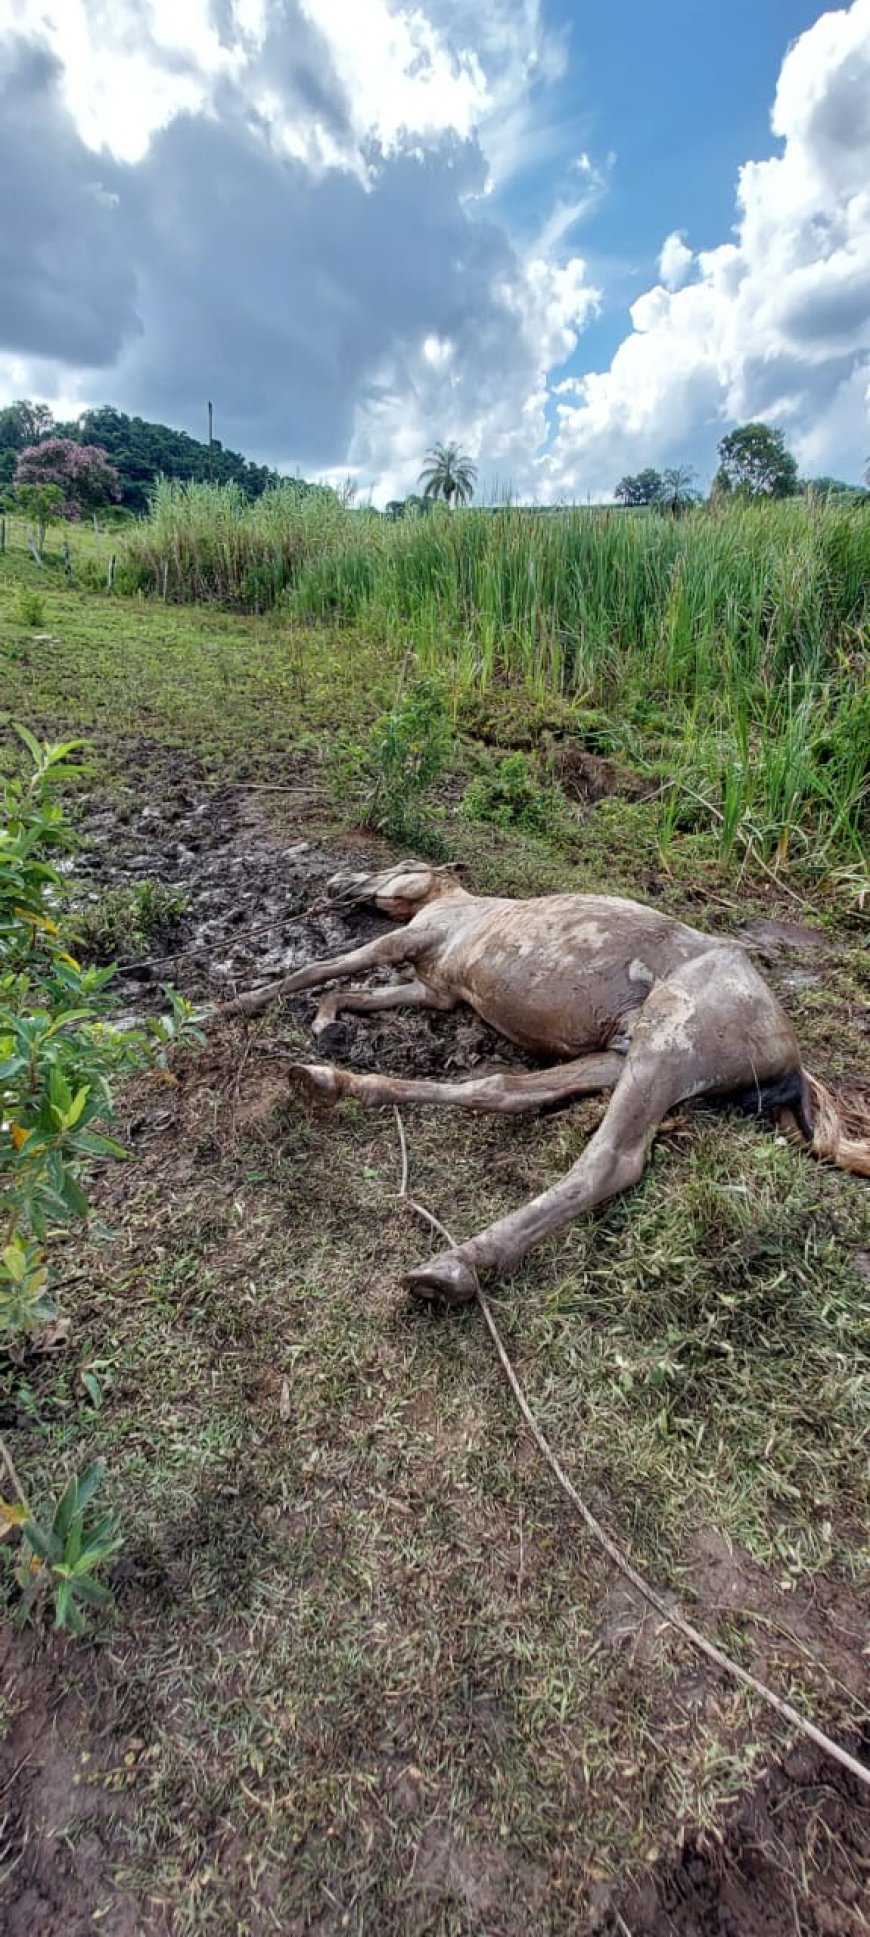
column 365, row 1671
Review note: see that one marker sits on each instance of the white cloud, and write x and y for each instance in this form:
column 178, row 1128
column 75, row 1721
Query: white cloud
column 127, row 69
column 399, row 73
column 777, row 323
column 675, row 260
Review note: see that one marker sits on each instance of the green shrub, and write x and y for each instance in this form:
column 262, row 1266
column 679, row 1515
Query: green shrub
column 31, row 608
column 130, row 921
column 509, row 792
column 66, row 1552
column 58, row 1056
column 388, row 779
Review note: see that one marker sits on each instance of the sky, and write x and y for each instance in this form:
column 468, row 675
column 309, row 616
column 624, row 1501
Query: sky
column 578, row 239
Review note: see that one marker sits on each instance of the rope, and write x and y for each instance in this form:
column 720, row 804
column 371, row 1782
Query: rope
column 671, row 1615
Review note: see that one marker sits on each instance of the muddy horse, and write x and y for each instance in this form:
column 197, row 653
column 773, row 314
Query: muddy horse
column 629, row 999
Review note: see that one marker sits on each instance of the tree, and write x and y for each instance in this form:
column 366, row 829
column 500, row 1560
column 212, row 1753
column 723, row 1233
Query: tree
column 677, row 489
column 44, row 503
column 23, row 423
column 142, row 452
column 448, row 474
column 81, row 472
column 642, row 489
column 754, row 461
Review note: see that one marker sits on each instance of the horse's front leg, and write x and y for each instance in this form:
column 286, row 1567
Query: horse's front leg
column 390, row 950
column 372, row 1002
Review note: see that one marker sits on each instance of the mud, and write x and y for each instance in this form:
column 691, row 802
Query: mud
column 254, row 910
column 64, row 1808
column 249, row 892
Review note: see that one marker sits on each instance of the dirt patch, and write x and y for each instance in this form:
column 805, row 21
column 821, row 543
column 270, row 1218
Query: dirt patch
column 792, row 1860
column 497, row 1888
column 824, row 1623
column 253, row 913
column 62, row 1835
column 248, row 891
column 587, row 777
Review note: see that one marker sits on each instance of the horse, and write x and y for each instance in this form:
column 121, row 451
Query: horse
column 617, row 995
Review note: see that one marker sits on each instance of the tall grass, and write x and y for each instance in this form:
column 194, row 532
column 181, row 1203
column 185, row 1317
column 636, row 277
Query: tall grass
column 737, row 639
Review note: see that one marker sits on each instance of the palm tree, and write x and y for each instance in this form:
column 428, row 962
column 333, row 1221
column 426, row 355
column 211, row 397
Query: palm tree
column 448, row 474
column 677, row 488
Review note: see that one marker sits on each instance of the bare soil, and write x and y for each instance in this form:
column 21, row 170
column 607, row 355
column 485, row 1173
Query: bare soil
column 805, row 1818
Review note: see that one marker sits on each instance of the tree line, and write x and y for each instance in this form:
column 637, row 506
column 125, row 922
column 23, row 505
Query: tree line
column 754, row 462
column 54, row 470
column 137, row 451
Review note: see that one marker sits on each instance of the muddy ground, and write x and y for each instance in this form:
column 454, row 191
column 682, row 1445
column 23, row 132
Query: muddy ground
column 788, row 1857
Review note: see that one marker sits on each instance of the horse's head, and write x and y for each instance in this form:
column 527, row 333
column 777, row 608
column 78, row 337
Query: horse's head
column 401, row 890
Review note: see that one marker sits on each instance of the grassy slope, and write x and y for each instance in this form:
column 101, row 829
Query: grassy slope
column 376, row 1676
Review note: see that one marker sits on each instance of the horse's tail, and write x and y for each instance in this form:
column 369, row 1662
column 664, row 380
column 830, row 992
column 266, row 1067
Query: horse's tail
column 836, row 1124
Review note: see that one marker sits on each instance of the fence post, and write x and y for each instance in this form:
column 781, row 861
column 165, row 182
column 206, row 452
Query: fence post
column 2, row 534
column 110, row 581
column 165, row 579
column 67, row 561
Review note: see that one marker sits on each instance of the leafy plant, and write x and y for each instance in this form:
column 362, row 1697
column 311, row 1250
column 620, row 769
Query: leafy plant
column 66, row 1552
column 31, row 608
column 408, row 752
column 163, row 1035
column 43, row 503
column 58, row 1054
column 128, row 921
column 509, row 793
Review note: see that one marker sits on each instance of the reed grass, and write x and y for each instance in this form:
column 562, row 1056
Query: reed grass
column 732, row 643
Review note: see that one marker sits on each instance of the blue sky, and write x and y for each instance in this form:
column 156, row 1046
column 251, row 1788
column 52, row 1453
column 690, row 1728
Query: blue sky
column 680, row 92
column 362, row 225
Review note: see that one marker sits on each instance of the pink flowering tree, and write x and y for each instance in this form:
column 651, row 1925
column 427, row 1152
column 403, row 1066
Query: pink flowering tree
column 82, row 472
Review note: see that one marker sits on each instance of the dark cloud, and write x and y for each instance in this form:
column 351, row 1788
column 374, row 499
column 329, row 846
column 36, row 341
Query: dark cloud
column 67, row 287
column 218, row 268
column 282, row 296
column 295, row 60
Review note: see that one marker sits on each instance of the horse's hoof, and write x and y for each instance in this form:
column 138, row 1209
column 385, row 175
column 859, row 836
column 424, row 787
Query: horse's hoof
column 319, row 1079
column 446, row 1280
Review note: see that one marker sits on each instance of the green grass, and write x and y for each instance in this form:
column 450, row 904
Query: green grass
column 730, row 642
column 373, row 1667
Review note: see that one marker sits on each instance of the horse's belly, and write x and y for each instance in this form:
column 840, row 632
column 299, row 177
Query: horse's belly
column 561, row 1014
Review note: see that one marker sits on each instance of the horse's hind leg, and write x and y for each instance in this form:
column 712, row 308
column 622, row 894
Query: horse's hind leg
column 505, row 1093
column 711, row 1026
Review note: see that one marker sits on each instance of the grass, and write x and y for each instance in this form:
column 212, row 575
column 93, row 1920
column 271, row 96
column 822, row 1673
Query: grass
column 731, row 643
column 366, row 1672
